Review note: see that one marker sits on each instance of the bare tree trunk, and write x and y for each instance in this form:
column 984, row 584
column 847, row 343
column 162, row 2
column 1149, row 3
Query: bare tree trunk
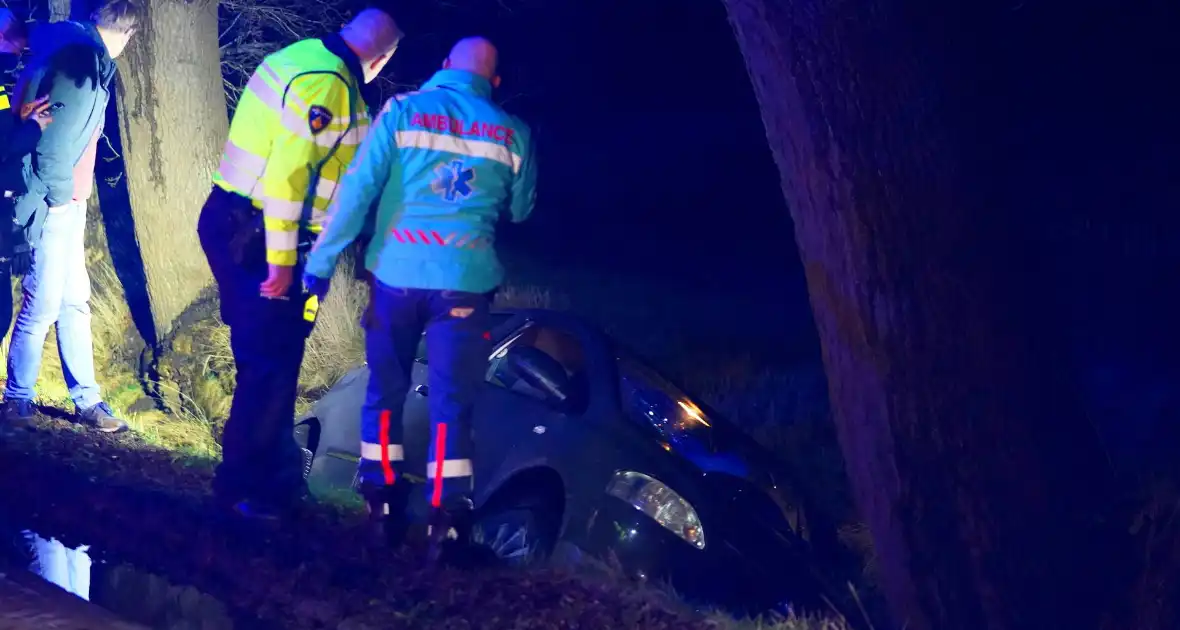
column 173, row 123
column 59, row 10
column 972, row 481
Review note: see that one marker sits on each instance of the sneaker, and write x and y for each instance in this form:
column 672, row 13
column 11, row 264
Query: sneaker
column 18, row 414
column 102, row 419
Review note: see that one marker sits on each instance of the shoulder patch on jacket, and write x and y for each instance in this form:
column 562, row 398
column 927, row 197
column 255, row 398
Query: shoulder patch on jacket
column 318, row 118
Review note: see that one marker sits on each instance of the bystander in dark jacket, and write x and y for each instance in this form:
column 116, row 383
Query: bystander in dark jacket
column 19, row 135
column 72, row 68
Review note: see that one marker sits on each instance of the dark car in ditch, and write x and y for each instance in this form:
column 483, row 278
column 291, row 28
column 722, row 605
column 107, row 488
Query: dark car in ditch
column 582, row 449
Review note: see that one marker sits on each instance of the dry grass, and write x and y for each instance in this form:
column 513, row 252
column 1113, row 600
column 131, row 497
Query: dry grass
column 337, row 344
column 527, row 296
column 720, row 621
column 610, row 570
column 116, row 348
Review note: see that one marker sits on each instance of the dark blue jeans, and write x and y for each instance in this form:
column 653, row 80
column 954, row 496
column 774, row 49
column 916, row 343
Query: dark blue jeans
column 456, row 326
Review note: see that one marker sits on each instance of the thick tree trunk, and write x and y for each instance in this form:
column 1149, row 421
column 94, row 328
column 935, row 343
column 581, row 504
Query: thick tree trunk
column 173, row 123
column 971, row 479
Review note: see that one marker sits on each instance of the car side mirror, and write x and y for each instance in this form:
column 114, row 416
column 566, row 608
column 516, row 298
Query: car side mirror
column 537, row 370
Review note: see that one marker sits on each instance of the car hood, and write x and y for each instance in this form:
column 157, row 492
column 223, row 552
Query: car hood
column 723, row 448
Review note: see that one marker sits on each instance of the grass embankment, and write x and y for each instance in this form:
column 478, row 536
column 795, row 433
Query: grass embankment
column 146, row 506
column 177, row 427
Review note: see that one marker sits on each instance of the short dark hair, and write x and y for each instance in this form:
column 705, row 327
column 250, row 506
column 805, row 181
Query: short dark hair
column 118, row 16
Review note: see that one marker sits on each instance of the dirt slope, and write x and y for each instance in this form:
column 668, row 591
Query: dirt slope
column 136, row 504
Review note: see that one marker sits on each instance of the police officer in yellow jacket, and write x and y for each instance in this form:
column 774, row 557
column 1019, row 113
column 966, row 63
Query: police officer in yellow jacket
column 294, row 132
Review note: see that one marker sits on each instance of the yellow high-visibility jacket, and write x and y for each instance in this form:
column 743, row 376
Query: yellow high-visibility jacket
column 4, row 105
column 296, row 129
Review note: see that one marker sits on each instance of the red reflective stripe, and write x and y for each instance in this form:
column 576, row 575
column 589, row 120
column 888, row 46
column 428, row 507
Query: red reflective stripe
column 440, row 456
column 386, row 467
column 425, row 237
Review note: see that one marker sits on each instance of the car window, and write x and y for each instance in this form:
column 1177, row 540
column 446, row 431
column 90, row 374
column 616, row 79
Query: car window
column 560, row 345
column 498, row 319
column 651, row 398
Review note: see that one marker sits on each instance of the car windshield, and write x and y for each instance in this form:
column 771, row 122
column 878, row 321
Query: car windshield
column 656, row 400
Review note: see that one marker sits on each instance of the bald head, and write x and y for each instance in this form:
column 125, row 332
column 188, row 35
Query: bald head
column 373, row 36
column 475, row 54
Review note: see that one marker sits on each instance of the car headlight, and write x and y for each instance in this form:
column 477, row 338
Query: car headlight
column 661, row 503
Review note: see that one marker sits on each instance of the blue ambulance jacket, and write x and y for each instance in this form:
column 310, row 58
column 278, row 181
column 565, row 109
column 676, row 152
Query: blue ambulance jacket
column 441, row 166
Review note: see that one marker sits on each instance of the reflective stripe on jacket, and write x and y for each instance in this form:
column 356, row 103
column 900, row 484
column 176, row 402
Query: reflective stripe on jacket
column 445, row 164
column 296, row 128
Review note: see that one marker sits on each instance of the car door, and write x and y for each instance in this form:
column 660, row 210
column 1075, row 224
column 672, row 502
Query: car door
column 416, row 417
column 516, row 424
column 497, row 421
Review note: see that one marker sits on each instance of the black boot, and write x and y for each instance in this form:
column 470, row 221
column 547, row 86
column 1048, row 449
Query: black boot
column 449, row 536
column 389, row 518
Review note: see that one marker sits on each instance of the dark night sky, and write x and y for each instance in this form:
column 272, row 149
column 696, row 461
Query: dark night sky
column 654, row 164
column 651, row 143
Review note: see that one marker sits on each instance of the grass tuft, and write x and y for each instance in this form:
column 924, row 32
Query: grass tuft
column 527, row 296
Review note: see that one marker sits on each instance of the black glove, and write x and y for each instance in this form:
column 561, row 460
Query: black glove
column 316, row 288
column 314, row 285
column 22, row 254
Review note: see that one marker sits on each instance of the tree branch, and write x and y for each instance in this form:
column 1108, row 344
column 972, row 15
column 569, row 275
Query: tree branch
column 258, row 28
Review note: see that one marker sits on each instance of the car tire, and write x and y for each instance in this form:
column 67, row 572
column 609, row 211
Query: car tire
column 520, row 530
column 306, row 435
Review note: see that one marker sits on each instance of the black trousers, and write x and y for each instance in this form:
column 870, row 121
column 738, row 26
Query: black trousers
column 6, row 304
column 456, row 326
column 260, row 459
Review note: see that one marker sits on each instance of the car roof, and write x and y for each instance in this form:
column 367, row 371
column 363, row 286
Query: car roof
column 549, row 315
column 562, row 319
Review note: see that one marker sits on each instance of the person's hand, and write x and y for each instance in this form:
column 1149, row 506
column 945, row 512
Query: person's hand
column 317, row 286
column 278, row 281
column 38, row 110
column 37, row 106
